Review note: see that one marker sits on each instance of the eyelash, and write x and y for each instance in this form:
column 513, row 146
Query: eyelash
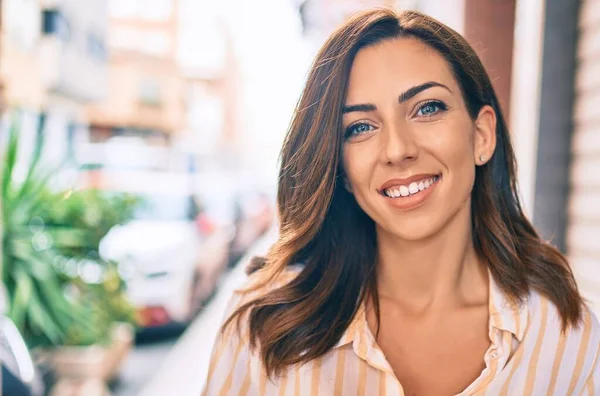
column 440, row 105
column 349, row 131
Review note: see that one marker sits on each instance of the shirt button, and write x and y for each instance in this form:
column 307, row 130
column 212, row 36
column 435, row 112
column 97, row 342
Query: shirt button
column 494, row 354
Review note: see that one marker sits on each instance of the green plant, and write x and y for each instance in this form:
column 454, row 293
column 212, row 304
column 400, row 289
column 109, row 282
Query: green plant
column 50, row 239
column 79, row 219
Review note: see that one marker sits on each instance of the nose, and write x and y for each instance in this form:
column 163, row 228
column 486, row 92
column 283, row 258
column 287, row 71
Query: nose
column 399, row 144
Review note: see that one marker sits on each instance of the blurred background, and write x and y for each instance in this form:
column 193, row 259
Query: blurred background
column 139, row 143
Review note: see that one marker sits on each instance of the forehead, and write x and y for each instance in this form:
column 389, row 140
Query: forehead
column 394, row 66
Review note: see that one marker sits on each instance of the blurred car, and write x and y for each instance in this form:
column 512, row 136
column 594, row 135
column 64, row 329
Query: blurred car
column 171, row 254
column 253, row 217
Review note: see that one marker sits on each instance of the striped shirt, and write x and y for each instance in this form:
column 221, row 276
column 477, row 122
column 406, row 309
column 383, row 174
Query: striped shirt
column 528, row 355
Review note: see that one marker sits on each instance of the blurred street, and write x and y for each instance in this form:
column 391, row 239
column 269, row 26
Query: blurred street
column 179, row 366
column 141, row 365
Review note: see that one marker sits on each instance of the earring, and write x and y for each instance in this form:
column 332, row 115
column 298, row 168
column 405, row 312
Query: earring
column 482, row 158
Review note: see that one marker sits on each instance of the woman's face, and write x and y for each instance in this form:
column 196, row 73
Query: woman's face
column 410, row 148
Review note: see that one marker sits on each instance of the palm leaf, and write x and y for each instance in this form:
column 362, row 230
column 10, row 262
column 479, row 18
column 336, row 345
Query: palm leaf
column 22, row 294
column 10, row 161
column 37, row 153
column 41, row 321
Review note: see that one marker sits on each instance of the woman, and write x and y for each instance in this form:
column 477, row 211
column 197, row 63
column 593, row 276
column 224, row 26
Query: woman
column 404, row 264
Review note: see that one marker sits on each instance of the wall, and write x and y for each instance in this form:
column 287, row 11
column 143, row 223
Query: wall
column 583, row 238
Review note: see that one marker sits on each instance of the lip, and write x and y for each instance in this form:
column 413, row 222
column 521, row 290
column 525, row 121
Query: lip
column 406, row 181
column 412, row 201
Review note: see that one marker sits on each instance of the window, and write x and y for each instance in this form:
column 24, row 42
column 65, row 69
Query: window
column 124, row 38
column 55, row 22
column 151, row 42
column 150, row 92
column 154, row 43
column 22, row 22
column 96, row 47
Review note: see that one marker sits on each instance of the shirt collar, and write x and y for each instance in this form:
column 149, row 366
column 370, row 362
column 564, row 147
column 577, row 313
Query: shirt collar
column 354, row 329
column 503, row 315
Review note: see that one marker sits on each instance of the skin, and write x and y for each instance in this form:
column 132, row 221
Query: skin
column 430, row 280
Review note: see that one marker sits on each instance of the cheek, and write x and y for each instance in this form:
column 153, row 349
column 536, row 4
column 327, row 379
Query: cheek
column 452, row 144
column 455, row 151
column 357, row 167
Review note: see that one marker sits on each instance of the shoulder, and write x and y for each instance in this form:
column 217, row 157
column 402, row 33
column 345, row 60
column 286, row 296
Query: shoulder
column 578, row 346
column 232, row 358
column 541, row 308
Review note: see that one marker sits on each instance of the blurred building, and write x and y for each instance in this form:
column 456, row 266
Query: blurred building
column 52, row 64
column 556, row 129
column 579, row 141
column 171, row 100
column 145, row 91
column 213, row 78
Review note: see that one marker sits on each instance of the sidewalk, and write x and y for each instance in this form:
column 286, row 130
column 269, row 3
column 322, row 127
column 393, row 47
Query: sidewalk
column 184, row 370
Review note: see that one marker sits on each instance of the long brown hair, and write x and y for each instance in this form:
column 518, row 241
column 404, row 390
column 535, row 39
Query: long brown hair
column 322, row 226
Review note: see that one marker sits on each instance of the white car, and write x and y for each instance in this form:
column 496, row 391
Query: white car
column 169, row 257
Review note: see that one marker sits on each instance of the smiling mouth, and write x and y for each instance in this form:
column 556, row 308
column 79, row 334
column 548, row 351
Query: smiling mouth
column 414, row 188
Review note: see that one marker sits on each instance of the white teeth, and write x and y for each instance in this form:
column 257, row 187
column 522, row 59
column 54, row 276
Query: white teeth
column 411, row 189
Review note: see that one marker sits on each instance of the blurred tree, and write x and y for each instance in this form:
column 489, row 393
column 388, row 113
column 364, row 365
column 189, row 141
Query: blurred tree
column 60, row 291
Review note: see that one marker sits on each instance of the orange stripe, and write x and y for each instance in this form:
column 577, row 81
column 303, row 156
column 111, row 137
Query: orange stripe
column 590, row 386
column 491, row 375
column 382, row 384
column 590, row 380
column 339, row 372
column 316, row 378
column 581, row 354
column 494, row 366
column 362, row 377
column 229, row 380
column 216, row 357
column 516, row 360
column 518, row 323
column 283, row 385
column 262, row 383
column 535, row 355
column 246, row 384
column 297, row 383
column 560, row 351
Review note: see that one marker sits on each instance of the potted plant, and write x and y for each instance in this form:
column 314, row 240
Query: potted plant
column 66, row 301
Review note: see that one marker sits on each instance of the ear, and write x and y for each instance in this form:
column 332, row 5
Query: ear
column 485, row 135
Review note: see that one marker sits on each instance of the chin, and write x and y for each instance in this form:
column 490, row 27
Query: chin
column 413, row 232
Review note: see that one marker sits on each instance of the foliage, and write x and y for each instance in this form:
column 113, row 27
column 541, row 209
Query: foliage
column 77, row 220
column 49, row 253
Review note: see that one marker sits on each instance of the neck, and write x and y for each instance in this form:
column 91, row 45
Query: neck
column 433, row 274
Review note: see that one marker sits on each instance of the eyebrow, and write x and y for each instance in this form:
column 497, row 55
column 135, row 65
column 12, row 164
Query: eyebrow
column 404, row 96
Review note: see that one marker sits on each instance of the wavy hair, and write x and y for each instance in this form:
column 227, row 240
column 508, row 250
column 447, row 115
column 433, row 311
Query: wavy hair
column 322, row 226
